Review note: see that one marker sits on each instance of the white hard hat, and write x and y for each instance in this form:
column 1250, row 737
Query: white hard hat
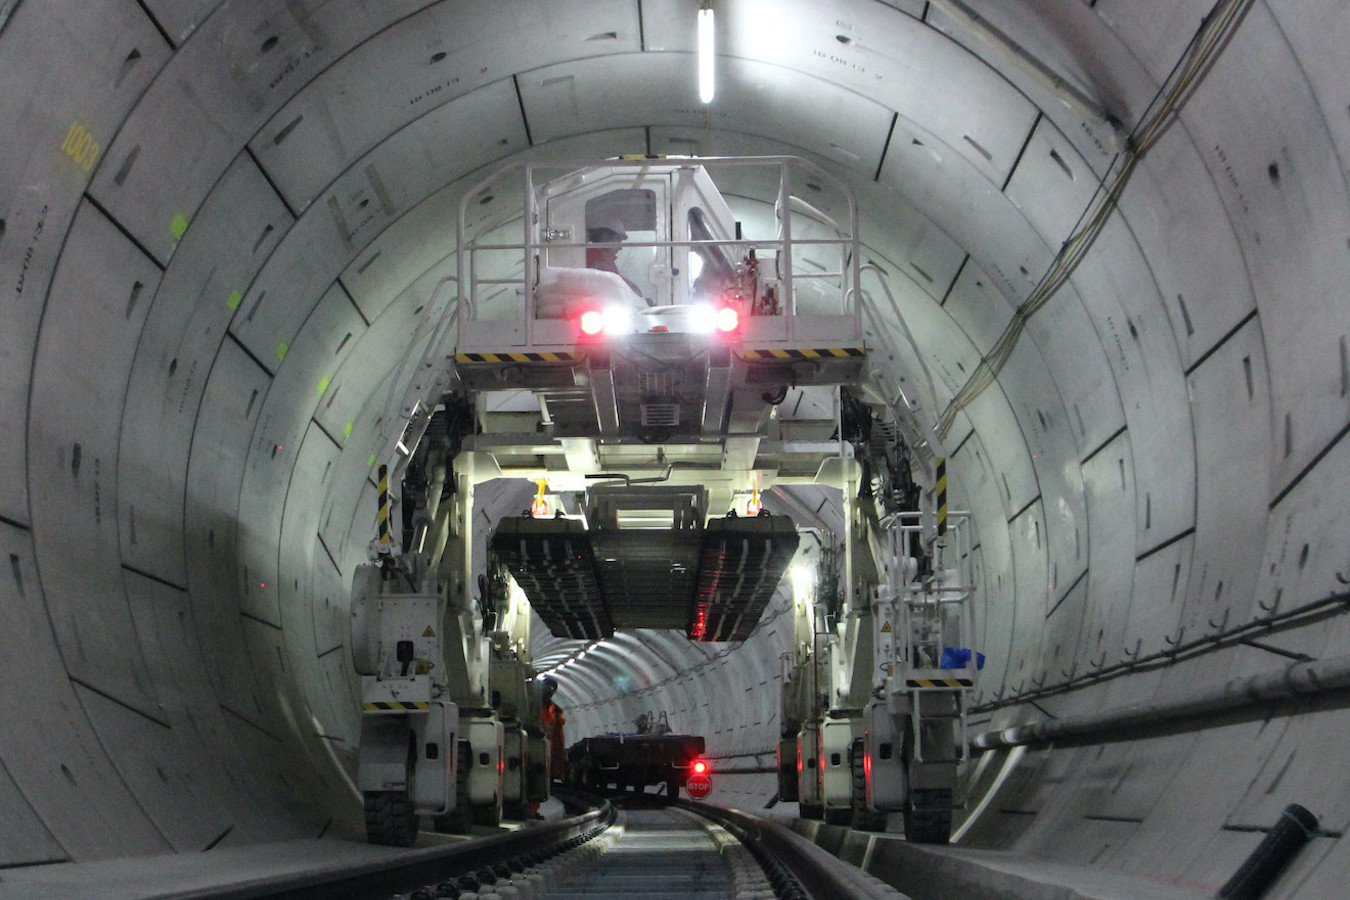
column 607, row 222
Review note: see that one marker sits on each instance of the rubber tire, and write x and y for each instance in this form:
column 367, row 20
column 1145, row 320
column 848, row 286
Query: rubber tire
column 489, row 815
column 864, row 819
column 458, row 820
column 931, row 821
column 390, row 819
column 673, row 788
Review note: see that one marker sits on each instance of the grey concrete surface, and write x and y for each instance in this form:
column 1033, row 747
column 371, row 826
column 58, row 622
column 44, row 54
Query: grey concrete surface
column 219, row 222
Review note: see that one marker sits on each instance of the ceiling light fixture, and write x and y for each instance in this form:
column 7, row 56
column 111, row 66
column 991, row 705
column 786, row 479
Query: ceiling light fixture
column 705, row 52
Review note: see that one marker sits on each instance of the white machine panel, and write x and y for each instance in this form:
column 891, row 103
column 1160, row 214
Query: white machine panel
column 94, row 313
column 230, row 405
column 241, row 221
column 217, row 90
column 420, row 64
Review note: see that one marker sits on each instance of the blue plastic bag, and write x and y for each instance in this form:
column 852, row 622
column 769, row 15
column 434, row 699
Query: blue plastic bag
column 959, row 658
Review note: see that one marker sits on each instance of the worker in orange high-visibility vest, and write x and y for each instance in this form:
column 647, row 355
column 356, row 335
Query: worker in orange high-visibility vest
column 553, row 719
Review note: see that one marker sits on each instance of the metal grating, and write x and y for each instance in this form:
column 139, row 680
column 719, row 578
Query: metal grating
column 741, row 563
column 552, row 561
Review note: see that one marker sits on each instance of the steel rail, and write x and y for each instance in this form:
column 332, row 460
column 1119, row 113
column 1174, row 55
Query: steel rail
column 403, row 871
column 821, row 875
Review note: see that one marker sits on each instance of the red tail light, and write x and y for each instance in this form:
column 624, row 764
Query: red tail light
column 728, row 319
column 700, row 767
column 592, row 322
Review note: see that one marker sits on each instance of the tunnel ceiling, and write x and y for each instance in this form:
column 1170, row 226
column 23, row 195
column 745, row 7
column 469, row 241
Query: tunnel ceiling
column 225, row 221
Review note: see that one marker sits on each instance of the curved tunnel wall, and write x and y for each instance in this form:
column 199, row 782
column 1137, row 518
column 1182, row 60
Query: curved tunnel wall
column 221, row 225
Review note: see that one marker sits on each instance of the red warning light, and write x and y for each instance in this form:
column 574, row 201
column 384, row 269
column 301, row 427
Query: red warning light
column 700, row 767
column 728, row 319
column 592, row 322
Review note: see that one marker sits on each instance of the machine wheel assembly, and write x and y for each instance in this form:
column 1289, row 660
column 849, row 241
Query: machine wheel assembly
column 864, row 819
column 812, row 811
column 390, row 818
column 458, row 820
column 928, row 816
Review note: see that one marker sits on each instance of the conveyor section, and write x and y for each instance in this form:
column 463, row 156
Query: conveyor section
column 712, row 582
column 743, row 560
column 650, row 575
column 552, row 561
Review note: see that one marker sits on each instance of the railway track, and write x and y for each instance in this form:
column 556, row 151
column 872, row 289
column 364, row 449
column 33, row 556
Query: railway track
column 639, row 846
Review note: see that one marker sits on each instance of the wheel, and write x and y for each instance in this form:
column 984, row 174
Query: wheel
column 928, row 816
column 672, row 788
column 490, row 814
column 864, row 819
column 458, row 820
column 390, row 818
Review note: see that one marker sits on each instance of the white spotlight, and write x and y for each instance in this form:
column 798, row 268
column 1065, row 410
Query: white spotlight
column 705, row 54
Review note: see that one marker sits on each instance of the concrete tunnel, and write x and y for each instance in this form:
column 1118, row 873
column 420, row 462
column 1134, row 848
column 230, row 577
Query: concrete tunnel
column 222, row 220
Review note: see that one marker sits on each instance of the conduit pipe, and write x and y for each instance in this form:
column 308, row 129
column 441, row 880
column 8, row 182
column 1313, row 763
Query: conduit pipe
column 1253, row 694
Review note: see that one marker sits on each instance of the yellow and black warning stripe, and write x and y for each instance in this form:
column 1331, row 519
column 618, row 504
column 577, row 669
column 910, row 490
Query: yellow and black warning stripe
column 939, row 682
column 395, row 706
column 516, row 357
column 382, row 520
column 941, row 496
column 819, row 353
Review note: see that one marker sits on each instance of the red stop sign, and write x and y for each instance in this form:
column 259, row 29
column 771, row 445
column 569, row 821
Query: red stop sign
column 698, row 786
